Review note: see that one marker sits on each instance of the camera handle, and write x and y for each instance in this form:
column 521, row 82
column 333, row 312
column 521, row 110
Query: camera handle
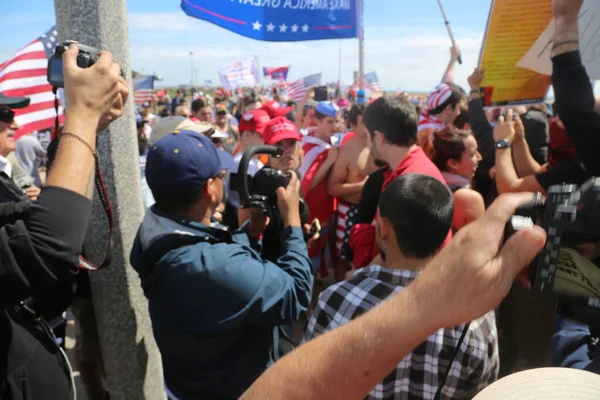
column 247, row 200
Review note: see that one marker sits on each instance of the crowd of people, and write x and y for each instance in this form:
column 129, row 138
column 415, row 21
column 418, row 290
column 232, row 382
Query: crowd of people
column 377, row 265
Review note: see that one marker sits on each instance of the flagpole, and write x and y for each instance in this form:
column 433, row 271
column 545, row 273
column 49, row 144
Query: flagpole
column 191, row 68
column 361, row 45
column 340, row 67
column 448, row 28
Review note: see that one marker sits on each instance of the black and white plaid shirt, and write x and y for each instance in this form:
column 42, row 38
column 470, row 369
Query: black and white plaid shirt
column 418, row 374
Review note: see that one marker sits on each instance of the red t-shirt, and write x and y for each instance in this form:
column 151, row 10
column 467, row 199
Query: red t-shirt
column 416, row 162
column 347, row 137
column 362, row 238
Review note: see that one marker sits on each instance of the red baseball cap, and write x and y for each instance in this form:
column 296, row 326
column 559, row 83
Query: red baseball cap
column 274, row 109
column 255, row 120
column 279, row 129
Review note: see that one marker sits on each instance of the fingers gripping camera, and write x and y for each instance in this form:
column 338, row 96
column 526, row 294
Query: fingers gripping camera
column 86, row 58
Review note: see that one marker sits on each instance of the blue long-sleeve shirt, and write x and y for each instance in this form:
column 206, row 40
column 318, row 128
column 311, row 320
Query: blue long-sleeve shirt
column 215, row 304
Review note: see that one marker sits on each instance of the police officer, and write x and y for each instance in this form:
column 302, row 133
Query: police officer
column 215, row 303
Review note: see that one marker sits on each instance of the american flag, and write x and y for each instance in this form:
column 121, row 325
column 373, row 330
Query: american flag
column 142, row 89
column 298, row 89
column 372, row 82
column 25, row 75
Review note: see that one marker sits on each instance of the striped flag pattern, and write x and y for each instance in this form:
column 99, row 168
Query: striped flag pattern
column 142, row 89
column 25, row 75
column 372, row 82
column 298, row 89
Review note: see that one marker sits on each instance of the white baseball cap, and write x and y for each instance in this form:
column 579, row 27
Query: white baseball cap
column 167, row 125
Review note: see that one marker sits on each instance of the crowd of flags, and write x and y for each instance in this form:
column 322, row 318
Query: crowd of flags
column 25, row 75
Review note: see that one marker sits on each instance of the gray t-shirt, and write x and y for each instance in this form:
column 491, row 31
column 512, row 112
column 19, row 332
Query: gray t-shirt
column 29, row 153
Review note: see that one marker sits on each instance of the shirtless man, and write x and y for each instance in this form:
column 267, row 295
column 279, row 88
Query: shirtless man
column 346, row 181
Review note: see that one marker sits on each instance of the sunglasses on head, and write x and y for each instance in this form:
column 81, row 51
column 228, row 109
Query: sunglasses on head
column 7, row 115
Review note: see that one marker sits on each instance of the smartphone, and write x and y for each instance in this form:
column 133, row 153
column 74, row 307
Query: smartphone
column 321, row 93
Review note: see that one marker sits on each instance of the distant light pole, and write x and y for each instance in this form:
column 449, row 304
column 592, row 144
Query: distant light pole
column 191, row 68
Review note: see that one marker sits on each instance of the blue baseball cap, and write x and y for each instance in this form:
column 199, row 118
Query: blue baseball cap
column 327, row 108
column 184, row 161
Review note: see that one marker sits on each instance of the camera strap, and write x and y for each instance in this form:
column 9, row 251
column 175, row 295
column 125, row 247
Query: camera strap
column 104, row 200
column 438, row 393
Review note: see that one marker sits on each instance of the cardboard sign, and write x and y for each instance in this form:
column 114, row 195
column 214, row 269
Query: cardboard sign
column 538, row 58
column 513, row 27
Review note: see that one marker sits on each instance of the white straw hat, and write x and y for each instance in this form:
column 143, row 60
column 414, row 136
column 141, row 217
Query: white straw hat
column 544, row 384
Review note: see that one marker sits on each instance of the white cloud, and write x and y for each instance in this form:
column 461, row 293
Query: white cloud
column 164, row 22
column 411, row 57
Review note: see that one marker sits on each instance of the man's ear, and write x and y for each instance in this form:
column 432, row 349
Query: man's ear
column 385, row 228
column 378, row 137
column 209, row 191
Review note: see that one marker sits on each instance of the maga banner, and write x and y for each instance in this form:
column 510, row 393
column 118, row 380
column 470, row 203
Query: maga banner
column 280, row 20
column 513, row 27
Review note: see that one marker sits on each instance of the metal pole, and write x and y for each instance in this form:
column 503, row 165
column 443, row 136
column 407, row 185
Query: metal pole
column 191, row 68
column 448, row 28
column 361, row 45
column 340, row 67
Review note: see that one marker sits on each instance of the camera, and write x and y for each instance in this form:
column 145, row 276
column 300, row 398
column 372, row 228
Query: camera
column 567, row 267
column 267, row 181
column 86, row 58
column 259, row 191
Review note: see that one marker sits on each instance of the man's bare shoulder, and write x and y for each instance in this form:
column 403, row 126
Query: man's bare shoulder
column 353, row 147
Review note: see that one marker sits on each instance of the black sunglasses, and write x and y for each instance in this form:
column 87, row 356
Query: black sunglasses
column 222, row 113
column 7, row 115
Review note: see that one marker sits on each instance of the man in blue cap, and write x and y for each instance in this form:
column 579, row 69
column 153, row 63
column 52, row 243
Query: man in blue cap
column 319, row 157
column 215, row 304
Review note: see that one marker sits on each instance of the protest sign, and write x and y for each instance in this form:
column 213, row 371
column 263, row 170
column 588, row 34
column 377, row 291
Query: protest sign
column 280, row 20
column 538, row 58
column 240, row 74
column 513, row 26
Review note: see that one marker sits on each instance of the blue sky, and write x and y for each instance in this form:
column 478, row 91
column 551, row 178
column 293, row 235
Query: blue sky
column 405, row 41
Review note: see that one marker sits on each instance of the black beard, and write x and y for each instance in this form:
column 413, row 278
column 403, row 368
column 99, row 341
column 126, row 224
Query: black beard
column 380, row 163
column 382, row 253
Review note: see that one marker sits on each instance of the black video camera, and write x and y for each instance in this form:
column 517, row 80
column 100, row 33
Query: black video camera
column 567, row 267
column 259, row 191
column 86, row 58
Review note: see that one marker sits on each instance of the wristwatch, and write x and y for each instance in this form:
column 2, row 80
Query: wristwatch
column 503, row 144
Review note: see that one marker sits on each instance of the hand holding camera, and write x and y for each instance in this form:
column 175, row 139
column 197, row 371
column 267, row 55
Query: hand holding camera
column 505, row 129
column 288, row 202
column 93, row 91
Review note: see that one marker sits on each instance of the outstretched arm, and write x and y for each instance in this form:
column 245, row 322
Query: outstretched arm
column 448, row 76
column 347, row 362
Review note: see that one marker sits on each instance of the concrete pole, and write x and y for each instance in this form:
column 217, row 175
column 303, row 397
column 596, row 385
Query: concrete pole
column 131, row 358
